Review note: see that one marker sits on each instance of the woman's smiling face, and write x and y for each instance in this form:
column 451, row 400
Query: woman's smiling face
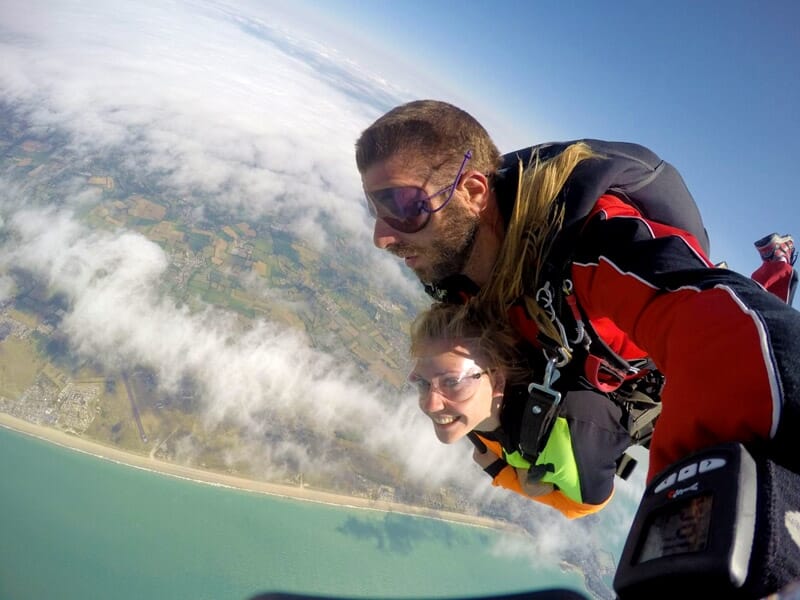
column 456, row 391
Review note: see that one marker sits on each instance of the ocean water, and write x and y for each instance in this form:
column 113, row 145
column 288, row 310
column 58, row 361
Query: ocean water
column 76, row 527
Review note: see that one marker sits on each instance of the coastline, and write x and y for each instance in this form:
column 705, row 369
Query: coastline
column 208, row 477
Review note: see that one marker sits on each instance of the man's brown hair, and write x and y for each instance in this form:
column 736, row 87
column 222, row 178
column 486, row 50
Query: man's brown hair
column 430, row 135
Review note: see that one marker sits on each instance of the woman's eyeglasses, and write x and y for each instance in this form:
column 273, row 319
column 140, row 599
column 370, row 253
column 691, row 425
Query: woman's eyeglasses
column 457, row 387
column 408, row 208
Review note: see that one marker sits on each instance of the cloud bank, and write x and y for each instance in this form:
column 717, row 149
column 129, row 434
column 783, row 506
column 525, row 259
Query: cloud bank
column 241, row 114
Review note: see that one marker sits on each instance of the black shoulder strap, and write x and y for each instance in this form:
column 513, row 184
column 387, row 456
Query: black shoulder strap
column 529, row 412
column 541, row 410
column 476, row 441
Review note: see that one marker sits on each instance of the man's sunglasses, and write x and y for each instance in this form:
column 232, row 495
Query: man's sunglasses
column 408, row 209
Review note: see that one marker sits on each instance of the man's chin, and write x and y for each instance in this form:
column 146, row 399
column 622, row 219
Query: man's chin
column 423, row 274
column 413, row 263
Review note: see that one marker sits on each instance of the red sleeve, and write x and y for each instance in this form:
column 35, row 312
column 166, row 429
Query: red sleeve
column 657, row 286
column 778, row 278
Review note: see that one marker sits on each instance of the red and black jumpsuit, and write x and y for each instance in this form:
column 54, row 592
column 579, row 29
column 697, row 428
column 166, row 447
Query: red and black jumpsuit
column 637, row 254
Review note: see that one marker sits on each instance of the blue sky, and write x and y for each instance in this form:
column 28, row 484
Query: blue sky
column 711, row 86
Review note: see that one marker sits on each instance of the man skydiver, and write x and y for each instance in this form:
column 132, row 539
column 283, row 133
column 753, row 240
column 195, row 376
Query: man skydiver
column 595, row 252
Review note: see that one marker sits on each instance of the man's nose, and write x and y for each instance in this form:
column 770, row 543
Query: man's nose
column 383, row 236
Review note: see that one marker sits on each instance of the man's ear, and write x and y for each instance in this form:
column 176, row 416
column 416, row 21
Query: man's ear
column 477, row 187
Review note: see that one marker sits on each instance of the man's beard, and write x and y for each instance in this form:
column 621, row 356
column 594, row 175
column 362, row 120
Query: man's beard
column 449, row 252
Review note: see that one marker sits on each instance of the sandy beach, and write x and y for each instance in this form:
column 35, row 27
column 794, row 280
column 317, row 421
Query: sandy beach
column 305, row 493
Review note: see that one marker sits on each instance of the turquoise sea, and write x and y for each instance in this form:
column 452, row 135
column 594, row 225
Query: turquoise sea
column 77, row 527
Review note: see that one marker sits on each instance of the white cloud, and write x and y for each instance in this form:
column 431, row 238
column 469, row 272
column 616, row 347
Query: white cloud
column 218, row 103
column 228, row 110
column 7, row 288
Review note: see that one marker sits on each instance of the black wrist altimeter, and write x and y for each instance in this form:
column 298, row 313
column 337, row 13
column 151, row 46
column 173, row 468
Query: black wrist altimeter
column 694, row 528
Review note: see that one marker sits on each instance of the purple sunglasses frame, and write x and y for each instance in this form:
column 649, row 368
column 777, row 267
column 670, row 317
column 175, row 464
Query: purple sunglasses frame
column 424, row 203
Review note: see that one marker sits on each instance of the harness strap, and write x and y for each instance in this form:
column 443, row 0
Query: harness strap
column 477, row 442
column 641, row 421
column 581, row 337
column 602, row 375
column 625, row 465
column 603, row 368
column 539, row 414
